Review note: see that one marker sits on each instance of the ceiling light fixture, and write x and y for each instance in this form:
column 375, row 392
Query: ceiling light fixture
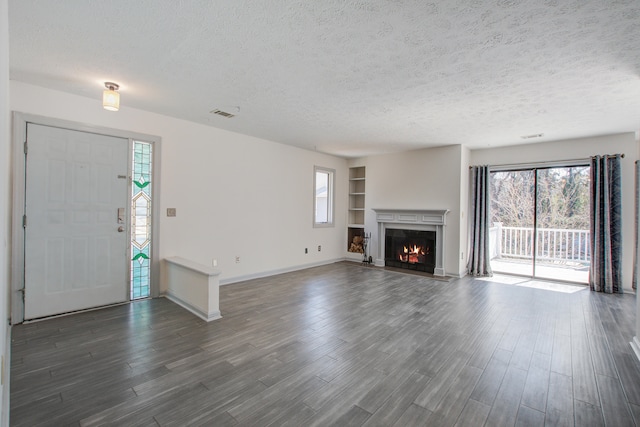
column 110, row 97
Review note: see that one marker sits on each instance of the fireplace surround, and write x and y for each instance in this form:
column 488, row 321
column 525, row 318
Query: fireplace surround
column 412, row 219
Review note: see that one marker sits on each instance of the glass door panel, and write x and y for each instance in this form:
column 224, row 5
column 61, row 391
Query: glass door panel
column 562, row 224
column 141, row 209
column 511, row 234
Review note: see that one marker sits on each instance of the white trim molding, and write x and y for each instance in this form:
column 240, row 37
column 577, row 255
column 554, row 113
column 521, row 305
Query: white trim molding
column 413, row 219
column 237, row 279
column 635, row 345
column 194, row 286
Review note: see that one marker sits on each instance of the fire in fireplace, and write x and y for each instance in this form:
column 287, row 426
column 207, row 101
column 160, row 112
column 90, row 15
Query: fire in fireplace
column 413, row 254
column 410, row 249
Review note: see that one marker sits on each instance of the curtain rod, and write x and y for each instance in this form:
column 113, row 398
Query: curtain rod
column 548, row 163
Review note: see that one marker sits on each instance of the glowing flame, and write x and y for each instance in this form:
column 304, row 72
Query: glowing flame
column 411, row 254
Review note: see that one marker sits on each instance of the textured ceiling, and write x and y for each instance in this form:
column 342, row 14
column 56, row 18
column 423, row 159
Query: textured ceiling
column 348, row 77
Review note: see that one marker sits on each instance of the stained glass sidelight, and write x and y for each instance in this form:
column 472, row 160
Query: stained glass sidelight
column 141, row 220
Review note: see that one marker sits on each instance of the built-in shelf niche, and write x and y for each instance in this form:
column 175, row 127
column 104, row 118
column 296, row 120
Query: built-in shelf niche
column 357, row 190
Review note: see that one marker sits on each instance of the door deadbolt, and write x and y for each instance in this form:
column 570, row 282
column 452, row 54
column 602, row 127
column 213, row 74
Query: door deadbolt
column 120, row 229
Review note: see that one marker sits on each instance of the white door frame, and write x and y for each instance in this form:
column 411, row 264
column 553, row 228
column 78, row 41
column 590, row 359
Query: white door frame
column 20, row 121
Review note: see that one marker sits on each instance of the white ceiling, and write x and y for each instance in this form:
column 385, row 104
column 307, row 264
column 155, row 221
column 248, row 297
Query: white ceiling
column 350, row 77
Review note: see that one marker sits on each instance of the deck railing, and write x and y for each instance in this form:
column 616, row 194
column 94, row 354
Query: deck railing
column 552, row 244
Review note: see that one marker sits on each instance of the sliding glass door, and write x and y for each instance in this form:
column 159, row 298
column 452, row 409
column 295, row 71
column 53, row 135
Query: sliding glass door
column 540, row 222
column 511, row 241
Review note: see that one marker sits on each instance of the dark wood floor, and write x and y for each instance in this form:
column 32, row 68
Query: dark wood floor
column 337, row 345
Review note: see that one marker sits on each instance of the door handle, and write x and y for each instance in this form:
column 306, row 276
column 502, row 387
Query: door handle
column 120, row 229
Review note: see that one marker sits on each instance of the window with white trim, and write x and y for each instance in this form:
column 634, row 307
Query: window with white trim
column 323, row 196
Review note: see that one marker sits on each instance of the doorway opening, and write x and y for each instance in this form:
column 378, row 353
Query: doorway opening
column 540, row 222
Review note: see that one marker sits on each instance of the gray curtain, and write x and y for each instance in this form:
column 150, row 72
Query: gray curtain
column 636, row 248
column 479, row 255
column 606, row 230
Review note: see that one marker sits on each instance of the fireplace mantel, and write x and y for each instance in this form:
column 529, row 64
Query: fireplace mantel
column 413, row 219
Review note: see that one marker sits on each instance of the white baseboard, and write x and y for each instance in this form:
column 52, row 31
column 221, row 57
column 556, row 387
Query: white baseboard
column 262, row 274
column 458, row 276
column 6, row 390
column 207, row 317
column 635, row 345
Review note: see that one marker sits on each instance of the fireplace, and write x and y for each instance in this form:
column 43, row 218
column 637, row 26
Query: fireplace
column 412, row 220
column 410, row 249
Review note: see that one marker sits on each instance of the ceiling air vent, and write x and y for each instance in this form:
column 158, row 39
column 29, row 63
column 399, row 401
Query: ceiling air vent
column 222, row 113
column 535, row 135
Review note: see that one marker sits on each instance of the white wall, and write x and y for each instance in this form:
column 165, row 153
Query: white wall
column 235, row 195
column 464, row 210
column 580, row 149
column 421, row 179
column 5, row 206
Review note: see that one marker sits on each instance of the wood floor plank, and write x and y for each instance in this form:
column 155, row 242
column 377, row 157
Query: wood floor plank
column 635, row 411
column 24, row 415
column 456, row 398
column 431, row 397
column 415, row 415
column 603, row 363
column 194, row 376
column 521, row 357
column 339, row 344
column 486, row 350
column 541, row 361
column 536, row 389
column 334, row 407
column 262, row 406
column 504, row 410
column 544, row 343
column 140, row 409
column 528, row 417
column 584, row 377
column 587, row 414
column 559, row 401
column 615, row 408
column 344, row 394
column 355, row 417
column 383, row 390
column 208, row 408
column 629, row 371
column 474, row 414
column 487, row 387
column 297, row 415
column 561, row 356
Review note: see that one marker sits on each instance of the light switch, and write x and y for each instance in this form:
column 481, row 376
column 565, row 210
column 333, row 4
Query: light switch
column 171, row 211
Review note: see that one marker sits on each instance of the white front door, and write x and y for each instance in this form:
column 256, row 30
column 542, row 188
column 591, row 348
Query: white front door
column 75, row 245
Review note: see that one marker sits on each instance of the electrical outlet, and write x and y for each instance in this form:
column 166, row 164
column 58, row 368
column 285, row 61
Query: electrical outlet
column 171, row 211
column 215, row 262
column 319, row 248
column 306, row 250
column 237, row 259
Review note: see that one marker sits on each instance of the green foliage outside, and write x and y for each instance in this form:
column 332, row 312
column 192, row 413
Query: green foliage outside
column 563, row 198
